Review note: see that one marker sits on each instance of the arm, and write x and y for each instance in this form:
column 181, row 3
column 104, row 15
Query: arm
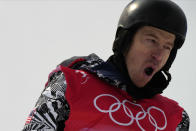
column 184, row 124
column 51, row 109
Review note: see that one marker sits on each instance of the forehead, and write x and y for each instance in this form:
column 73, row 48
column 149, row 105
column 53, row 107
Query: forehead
column 156, row 32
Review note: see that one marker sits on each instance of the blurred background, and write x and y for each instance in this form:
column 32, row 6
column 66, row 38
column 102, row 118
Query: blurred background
column 36, row 35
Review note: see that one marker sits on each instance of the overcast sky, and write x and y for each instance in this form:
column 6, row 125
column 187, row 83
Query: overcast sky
column 36, row 35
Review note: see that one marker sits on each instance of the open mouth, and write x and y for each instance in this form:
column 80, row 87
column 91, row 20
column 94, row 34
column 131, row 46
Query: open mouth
column 148, row 71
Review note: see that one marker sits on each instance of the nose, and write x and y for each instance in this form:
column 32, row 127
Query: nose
column 157, row 55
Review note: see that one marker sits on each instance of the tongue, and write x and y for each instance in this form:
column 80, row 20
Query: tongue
column 148, row 71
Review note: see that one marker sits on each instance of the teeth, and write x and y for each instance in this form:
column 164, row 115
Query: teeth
column 148, row 71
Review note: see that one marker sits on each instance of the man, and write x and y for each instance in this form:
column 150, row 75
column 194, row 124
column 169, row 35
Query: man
column 123, row 93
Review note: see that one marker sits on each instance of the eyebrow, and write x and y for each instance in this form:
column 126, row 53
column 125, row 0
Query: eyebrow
column 149, row 33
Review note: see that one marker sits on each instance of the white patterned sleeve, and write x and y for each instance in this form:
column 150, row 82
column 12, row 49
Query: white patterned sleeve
column 184, row 124
column 51, row 109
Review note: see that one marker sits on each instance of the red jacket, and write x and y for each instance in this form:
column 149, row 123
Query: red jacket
column 102, row 107
column 77, row 100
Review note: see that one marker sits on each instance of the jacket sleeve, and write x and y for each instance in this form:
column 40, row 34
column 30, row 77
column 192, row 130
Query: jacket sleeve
column 51, row 109
column 184, row 124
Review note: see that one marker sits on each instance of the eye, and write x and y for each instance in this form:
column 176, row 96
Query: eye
column 167, row 47
column 152, row 41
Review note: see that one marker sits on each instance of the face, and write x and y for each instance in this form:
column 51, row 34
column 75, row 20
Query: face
column 148, row 53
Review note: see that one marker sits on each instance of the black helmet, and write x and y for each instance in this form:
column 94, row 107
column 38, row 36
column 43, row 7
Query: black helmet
column 163, row 14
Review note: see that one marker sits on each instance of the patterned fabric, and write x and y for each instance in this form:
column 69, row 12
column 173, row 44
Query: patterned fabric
column 184, row 124
column 52, row 109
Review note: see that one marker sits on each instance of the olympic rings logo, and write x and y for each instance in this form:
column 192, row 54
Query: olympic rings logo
column 139, row 116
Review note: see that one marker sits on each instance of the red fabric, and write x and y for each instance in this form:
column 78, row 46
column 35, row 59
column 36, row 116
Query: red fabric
column 77, row 60
column 97, row 106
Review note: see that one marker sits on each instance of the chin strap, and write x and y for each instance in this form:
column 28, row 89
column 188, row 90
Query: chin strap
column 167, row 75
column 158, row 83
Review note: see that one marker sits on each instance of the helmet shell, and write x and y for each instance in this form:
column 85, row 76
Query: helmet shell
column 163, row 14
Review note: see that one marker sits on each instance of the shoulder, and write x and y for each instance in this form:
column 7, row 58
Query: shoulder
column 183, row 125
column 76, row 61
column 169, row 105
column 73, row 60
column 166, row 100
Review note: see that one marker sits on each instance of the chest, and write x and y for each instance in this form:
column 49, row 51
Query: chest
column 95, row 105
